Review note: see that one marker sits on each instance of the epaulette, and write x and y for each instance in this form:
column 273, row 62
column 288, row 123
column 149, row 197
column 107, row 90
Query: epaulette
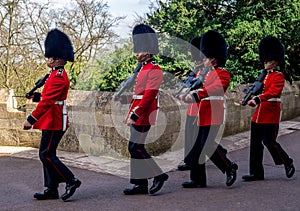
column 150, row 61
column 59, row 71
column 147, row 61
column 154, row 63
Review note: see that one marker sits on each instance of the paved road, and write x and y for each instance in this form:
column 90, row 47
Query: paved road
column 20, row 177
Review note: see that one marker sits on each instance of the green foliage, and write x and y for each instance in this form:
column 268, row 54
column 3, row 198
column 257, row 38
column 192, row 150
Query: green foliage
column 111, row 69
column 116, row 72
column 242, row 23
column 255, row 20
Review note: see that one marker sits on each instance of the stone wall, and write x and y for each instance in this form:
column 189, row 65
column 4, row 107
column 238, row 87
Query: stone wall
column 238, row 117
column 11, row 121
column 97, row 128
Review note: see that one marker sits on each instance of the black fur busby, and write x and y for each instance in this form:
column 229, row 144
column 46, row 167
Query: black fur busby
column 58, row 45
column 270, row 48
column 144, row 39
column 195, row 49
column 213, row 45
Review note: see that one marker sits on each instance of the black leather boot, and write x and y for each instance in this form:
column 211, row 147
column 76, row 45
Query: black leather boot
column 184, row 167
column 252, row 177
column 137, row 189
column 70, row 188
column 158, row 182
column 193, row 184
column 289, row 169
column 231, row 174
column 47, row 194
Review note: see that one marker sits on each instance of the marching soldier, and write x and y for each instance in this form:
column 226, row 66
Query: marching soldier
column 211, row 113
column 191, row 127
column 265, row 120
column 142, row 113
column 50, row 116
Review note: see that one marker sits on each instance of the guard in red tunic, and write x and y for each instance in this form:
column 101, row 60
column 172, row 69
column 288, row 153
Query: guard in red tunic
column 211, row 113
column 50, row 116
column 191, row 127
column 142, row 113
column 265, row 120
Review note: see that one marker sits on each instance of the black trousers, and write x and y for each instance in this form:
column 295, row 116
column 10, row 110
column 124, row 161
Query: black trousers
column 191, row 132
column 206, row 146
column 55, row 171
column 142, row 165
column 265, row 135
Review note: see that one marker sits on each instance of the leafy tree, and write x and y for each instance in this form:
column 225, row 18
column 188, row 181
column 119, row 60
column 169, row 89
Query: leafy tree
column 24, row 26
column 120, row 63
column 242, row 23
column 20, row 54
column 255, row 20
column 113, row 68
column 89, row 25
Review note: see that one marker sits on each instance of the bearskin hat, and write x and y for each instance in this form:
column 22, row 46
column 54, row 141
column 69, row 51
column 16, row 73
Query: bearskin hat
column 58, row 45
column 195, row 49
column 144, row 39
column 270, row 48
column 213, row 45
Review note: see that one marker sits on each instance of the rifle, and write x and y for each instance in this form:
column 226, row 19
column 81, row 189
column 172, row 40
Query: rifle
column 196, row 83
column 129, row 81
column 255, row 88
column 187, row 82
column 36, row 95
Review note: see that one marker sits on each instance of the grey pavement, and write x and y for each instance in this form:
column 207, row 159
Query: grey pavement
column 103, row 179
column 120, row 167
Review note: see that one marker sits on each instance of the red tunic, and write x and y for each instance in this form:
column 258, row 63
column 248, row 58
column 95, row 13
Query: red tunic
column 144, row 103
column 48, row 114
column 211, row 95
column 268, row 111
